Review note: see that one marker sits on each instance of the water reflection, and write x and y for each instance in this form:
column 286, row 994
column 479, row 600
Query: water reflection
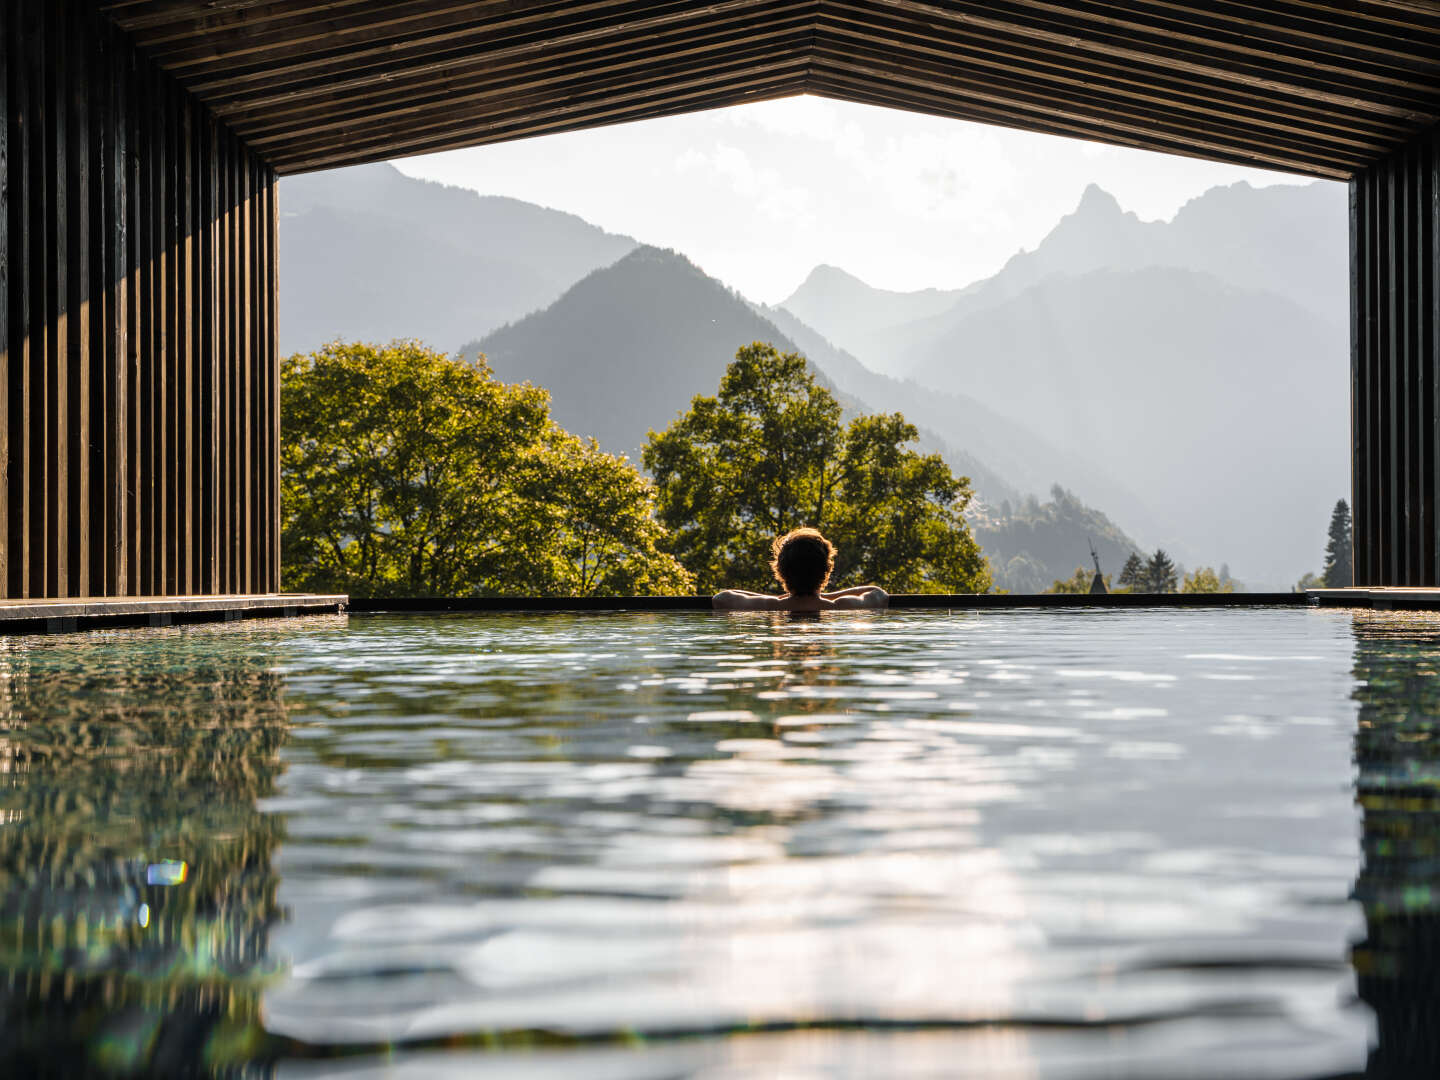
column 1019, row 845
column 137, row 890
column 1397, row 755
column 1121, row 840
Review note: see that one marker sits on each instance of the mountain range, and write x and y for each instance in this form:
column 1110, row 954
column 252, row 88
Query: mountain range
column 1188, row 376
column 1203, row 362
column 369, row 254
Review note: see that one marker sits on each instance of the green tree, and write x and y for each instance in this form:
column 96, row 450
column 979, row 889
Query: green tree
column 1205, row 580
column 408, row 473
column 769, row 452
column 1339, row 564
column 1160, row 576
column 1310, row 581
column 1079, row 582
column 1132, row 574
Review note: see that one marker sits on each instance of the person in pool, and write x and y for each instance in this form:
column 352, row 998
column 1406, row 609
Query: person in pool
column 802, row 560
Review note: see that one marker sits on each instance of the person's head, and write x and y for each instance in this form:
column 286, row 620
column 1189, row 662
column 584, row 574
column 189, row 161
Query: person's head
column 802, row 560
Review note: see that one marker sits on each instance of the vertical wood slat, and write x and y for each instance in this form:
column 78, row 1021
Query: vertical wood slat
column 1395, row 366
column 16, row 330
column 137, row 331
column 38, row 270
column 6, row 34
column 95, row 503
column 76, row 539
column 56, row 457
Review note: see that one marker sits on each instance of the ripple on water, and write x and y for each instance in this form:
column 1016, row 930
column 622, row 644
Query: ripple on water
column 1041, row 843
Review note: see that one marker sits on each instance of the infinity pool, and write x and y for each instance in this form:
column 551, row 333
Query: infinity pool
column 1029, row 844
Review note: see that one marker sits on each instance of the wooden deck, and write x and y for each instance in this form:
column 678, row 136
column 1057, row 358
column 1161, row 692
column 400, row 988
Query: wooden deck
column 88, row 612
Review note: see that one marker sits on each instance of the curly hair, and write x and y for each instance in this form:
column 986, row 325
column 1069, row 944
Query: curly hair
column 802, row 560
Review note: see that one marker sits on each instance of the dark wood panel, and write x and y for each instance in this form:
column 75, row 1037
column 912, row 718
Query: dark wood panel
column 1395, row 347
column 123, row 251
column 1319, row 88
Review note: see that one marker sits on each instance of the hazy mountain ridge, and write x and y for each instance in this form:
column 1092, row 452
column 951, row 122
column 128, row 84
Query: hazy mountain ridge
column 1032, row 462
column 368, row 253
column 1170, row 354
column 1122, row 341
column 625, row 350
column 1032, row 544
column 854, row 315
column 1178, row 382
column 1272, row 239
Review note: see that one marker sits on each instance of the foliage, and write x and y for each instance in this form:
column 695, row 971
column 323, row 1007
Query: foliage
column 1021, row 573
column 1310, row 581
column 405, row 472
column 1079, row 582
column 1160, row 575
column 769, row 452
column 1132, row 574
column 1033, row 543
column 1339, row 562
column 1205, row 580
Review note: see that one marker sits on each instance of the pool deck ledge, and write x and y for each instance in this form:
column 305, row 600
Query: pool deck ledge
column 1389, row 598
column 69, row 614
column 73, row 613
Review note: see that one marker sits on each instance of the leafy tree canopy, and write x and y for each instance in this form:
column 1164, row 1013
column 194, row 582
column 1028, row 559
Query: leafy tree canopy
column 769, row 453
column 1079, row 582
column 406, row 472
column 1204, row 579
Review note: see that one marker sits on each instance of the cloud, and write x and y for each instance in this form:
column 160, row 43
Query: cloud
column 763, row 187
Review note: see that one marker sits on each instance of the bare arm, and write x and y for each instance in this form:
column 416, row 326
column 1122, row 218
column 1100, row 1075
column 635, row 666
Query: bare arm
column 854, row 590
column 744, row 600
column 863, row 596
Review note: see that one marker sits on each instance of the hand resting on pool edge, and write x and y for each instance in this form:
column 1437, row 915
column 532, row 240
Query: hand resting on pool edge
column 802, row 560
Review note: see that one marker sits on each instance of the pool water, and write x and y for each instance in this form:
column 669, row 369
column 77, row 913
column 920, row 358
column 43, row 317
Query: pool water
column 1029, row 844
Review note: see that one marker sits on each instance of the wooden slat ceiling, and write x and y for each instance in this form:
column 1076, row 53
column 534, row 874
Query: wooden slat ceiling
column 1320, row 89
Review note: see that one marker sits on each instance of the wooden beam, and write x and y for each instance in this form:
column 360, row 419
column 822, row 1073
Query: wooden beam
column 452, row 71
column 742, row 92
column 863, row 90
column 709, row 90
column 505, row 95
column 1206, row 127
column 1061, row 69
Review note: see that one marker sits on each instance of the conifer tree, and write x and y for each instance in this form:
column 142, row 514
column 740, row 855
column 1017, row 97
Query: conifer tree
column 1339, row 571
column 1160, row 573
column 1132, row 574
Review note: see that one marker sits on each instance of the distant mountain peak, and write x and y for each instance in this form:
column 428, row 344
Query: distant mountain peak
column 1096, row 200
column 827, row 276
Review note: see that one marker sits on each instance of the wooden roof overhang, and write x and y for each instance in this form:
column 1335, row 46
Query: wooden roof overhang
column 1321, row 89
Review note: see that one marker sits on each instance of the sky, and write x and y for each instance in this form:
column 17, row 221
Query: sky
column 758, row 195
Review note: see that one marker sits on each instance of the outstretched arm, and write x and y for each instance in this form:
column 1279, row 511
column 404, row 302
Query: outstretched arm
column 854, row 590
column 862, row 596
column 744, row 600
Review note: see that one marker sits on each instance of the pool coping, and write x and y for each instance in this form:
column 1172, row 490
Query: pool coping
column 70, row 614
column 902, row 601
column 74, row 613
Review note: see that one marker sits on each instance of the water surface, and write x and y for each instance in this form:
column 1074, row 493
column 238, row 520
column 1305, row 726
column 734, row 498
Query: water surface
column 1068, row 844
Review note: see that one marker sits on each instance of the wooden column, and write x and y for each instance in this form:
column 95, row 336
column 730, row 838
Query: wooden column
column 139, row 425
column 1395, row 365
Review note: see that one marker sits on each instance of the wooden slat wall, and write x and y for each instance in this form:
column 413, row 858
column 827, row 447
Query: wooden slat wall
column 138, row 413
column 1395, row 350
